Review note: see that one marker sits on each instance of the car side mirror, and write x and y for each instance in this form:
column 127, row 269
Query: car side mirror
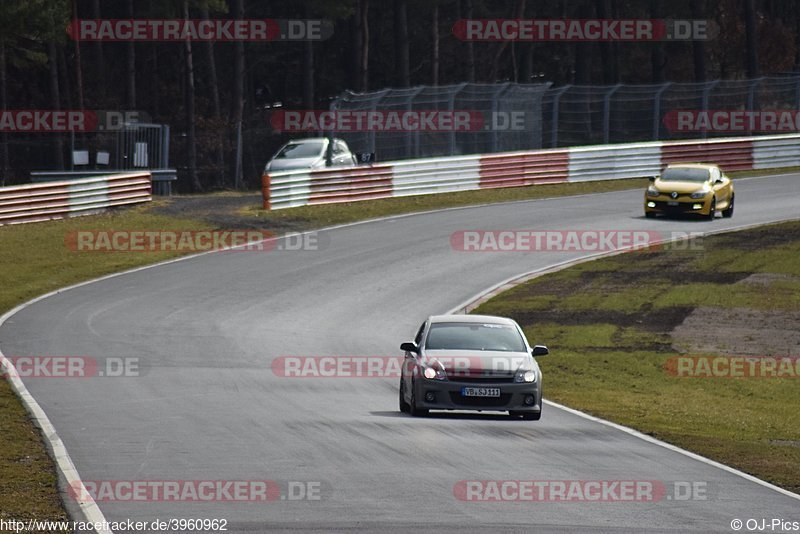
column 719, row 181
column 539, row 350
column 652, row 178
column 409, row 347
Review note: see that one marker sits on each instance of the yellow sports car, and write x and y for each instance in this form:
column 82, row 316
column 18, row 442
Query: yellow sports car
column 690, row 188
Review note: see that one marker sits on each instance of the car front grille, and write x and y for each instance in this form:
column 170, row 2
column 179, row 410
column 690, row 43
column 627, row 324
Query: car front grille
column 505, row 379
column 460, row 400
column 683, row 206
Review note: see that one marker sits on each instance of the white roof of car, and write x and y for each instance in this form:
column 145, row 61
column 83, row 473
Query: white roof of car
column 471, row 319
column 311, row 139
column 307, row 140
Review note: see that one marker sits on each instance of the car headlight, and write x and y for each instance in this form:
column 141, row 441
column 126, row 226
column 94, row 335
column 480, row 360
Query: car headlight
column 699, row 194
column 525, row 376
column 432, row 374
column 653, row 192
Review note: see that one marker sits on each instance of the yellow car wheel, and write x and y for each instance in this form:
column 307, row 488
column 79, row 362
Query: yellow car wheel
column 728, row 212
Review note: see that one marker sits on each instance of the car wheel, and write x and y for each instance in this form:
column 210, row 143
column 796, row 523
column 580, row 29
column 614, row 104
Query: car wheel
column 712, row 210
column 404, row 406
column 416, row 412
column 728, row 212
column 650, row 214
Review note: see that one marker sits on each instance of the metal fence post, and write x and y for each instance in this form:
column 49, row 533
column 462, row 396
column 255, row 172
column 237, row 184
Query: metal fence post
column 751, row 97
column 165, row 146
column 451, row 108
column 539, row 140
column 751, row 93
column 372, row 143
column 797, row 93
column 554, row 117
column 607, row 113
column 657, row 110
column 704, row 106
column 500, row 90
column 412, row 137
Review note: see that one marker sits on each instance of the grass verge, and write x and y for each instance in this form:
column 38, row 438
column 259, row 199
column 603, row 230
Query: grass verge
column 308, row 217
column 613, row 324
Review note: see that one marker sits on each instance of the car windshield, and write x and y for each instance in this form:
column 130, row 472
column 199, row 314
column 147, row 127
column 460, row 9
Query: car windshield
column 474, row 336
column 301, row 150
column 684, row 174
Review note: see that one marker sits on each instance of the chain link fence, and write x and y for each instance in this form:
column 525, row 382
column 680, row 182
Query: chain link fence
column 570, row 115
column 496, row 104
column 553, row 117
column 131, row 146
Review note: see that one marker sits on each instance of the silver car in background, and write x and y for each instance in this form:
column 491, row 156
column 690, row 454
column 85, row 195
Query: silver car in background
column 311, row 154
column 471, row 362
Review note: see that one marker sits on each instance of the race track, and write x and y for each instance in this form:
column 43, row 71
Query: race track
column 209, row 407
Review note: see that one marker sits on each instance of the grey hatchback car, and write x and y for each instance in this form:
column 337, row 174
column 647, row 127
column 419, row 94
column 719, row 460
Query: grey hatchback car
column 471, row 362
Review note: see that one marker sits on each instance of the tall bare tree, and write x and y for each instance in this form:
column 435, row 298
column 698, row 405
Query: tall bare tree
column 99, row 59
column 237, row 110
column 213, row 85
column 465, row 7
column 658, row 57
column 130, row 77
column 518, row 13
column 435, row 43
column 751, row 38
column 55, row 98
column 401, row 44
column 362, row 32
column 78, row 62
column 607, row 53
column 698, row 11
column 191, row 137
column 308, row 68
column 4, row 155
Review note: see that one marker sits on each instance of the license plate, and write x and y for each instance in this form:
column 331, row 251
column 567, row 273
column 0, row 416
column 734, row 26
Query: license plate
column 672, row 203
column 480, row 392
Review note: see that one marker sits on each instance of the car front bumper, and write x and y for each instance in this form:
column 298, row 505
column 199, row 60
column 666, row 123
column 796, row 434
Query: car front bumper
column 666, row 205
column 448, row 396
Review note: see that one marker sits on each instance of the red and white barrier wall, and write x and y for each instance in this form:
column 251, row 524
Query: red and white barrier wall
column 57, row 200
column 514, row 169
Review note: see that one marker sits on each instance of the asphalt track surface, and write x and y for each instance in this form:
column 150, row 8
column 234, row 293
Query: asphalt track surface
column 208, row 406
